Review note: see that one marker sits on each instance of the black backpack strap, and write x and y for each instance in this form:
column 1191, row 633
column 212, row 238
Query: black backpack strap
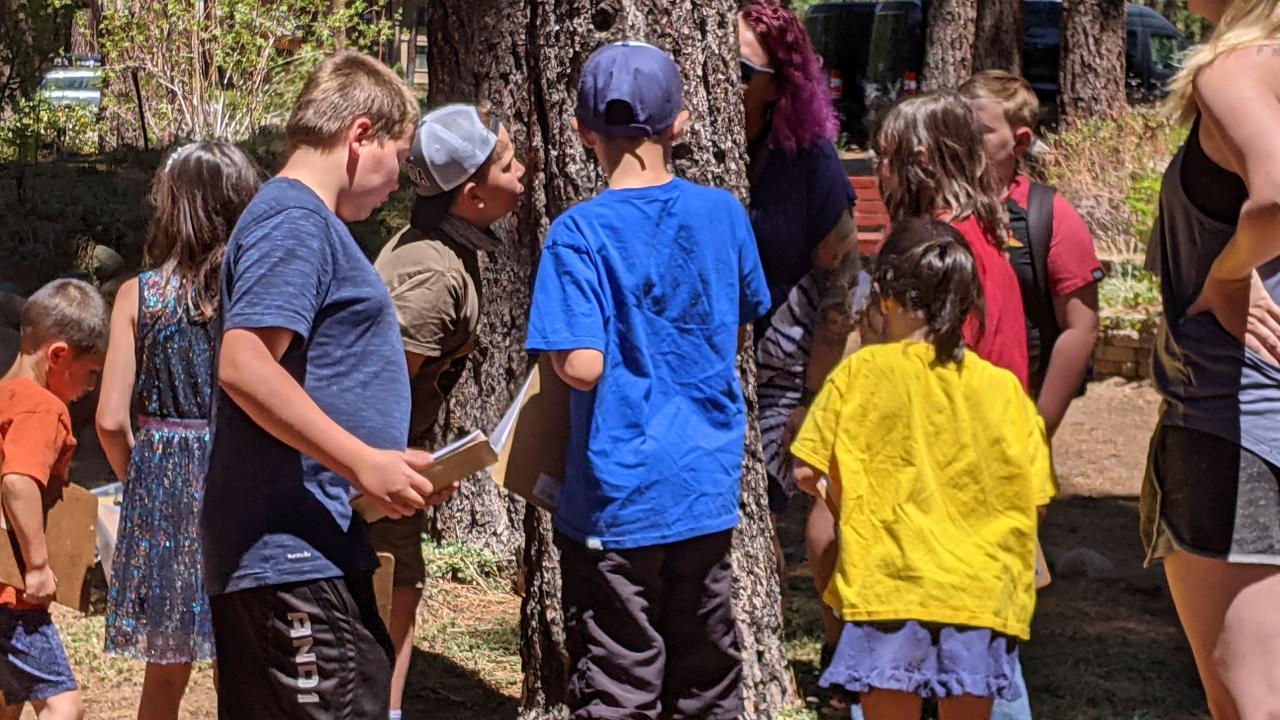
column 1040, row 231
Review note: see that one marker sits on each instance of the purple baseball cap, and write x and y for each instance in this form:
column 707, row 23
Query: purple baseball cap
column 629, row 89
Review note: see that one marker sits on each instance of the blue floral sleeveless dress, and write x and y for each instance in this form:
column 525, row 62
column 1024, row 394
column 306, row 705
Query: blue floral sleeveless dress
column 157, row 610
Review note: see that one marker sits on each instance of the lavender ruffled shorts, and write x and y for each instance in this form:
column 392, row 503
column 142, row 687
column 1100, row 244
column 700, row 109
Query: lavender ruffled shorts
column 933, row 661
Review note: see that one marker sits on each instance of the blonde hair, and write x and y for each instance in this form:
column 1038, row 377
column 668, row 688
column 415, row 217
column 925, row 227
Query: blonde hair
column 936, row 162
column 1016, row 97
column 1245, row 23
column 345, row 87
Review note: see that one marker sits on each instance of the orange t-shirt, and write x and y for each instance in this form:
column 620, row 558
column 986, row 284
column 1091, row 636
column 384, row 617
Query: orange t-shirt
column 36, row 441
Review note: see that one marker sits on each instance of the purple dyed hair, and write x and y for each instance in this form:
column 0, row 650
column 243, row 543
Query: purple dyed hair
column 803, row 115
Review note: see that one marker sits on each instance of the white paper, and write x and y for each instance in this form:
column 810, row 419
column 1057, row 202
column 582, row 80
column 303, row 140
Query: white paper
column 502, row 433
column 457, row 445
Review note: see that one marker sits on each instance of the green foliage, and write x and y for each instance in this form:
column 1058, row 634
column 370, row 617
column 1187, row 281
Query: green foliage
column 800, row 7
column 1111, row 172
column 462, row 564
column 1177, row 12
column 225, row 68
column 1128, row 287
column 31, row 34
column 35, row 124
column 1143, row 202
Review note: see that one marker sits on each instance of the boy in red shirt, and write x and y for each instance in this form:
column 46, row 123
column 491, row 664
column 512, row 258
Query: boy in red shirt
column 1058, row 273
column 64, row 342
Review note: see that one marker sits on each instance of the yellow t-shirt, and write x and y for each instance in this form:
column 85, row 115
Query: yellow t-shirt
column 939, row 471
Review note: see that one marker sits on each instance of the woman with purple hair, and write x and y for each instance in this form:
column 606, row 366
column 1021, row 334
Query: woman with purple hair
column 801, row 211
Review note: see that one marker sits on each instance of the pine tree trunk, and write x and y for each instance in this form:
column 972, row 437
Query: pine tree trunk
column 948, row 57
column 999, row 36
column 1092, row 83
column 525, row 56
column 473, row 58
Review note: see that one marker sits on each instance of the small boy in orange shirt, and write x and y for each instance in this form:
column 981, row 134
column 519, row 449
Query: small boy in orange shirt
column 64, row 342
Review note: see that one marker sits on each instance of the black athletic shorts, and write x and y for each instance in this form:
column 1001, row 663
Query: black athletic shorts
column 1207, row 495
column 650, row 631
column 302, row 651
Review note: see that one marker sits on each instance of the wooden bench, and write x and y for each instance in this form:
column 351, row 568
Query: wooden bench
column 869, row 214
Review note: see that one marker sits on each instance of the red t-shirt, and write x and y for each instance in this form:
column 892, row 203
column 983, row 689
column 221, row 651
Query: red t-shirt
column 1004, row 339
column 36, row 441
column 1072, row 262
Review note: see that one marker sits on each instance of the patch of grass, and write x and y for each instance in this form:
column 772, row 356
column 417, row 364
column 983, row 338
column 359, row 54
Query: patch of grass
column 460, row 563
column 476, row 628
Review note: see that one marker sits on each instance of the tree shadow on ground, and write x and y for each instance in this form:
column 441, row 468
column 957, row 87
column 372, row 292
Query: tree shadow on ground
column 1102, row 648
column 440, row 689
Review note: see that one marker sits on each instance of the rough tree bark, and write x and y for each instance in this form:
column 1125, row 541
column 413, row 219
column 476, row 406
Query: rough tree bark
column 998, row 43
column 1092, row 80
column 948, row 55
column 525, row 55
column 479, row 57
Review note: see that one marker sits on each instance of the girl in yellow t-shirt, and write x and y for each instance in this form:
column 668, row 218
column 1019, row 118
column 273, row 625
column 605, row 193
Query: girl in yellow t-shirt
column 937, row 464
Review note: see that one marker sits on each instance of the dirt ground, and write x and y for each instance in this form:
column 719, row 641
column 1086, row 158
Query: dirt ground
column 1103, row 648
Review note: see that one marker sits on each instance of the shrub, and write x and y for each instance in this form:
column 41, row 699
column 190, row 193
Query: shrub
column 1111, row 171
column 37, row 125
column 56, row 210
column 461, row 564
column 1128, row 288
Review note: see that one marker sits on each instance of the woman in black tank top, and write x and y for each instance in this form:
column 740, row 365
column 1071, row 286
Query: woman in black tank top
column 1211, row 188
column 1211, row 497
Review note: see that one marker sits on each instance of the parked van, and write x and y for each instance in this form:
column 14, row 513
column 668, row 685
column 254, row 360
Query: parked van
column 77, row 81
column 841, row 35
column 1153, row 50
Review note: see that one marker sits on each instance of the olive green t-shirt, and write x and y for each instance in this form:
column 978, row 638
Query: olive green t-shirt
column 434, row 281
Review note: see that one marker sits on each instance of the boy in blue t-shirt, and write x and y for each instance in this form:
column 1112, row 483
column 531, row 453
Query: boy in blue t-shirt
column 640, row 296
column 312, row 406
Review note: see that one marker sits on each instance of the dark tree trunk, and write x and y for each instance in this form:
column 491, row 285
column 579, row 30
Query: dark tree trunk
column 999, row 36
column 84, row 30
column 473, row 57
column 1092, row 83
column 948, row 56
column 525, row 56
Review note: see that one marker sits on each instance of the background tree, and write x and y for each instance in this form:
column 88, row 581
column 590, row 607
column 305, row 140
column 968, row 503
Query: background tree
column 1177, row 12
column 949, row 43
column 525, row 56
column 32, row 32
column 220, row 69
column 1092, row 74
column 998, row 44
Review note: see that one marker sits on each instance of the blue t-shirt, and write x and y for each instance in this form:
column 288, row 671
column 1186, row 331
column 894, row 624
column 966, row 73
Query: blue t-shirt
column 796, row 199
column 659, row 280
column 272, row 515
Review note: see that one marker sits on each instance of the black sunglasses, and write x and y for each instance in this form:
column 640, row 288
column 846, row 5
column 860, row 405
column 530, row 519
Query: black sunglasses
column 749, row 69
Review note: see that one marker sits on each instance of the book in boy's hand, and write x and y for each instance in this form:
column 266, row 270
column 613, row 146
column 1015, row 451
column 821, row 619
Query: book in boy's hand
column 71, row 536
column 450, row 464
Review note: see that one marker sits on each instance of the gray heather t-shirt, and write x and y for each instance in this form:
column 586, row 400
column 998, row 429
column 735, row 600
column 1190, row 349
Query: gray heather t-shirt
column 272, row 515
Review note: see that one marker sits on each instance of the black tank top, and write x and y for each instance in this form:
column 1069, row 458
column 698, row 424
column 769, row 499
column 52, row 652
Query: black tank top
column 1211, row 188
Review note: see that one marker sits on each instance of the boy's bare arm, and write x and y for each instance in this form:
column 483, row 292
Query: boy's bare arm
column 580, row 369
column 250, row 372
column 24, row 511
column 1077, row 315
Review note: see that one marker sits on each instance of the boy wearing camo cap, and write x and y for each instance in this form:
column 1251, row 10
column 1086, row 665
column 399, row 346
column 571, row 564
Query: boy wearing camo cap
column 464, row 168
